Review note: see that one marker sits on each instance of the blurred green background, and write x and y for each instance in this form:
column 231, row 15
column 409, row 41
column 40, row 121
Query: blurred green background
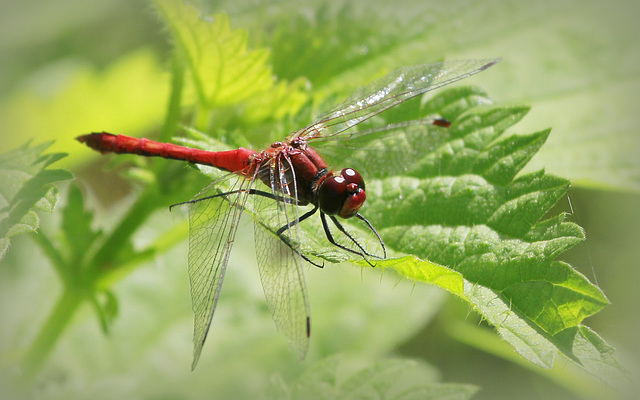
column 70, row 67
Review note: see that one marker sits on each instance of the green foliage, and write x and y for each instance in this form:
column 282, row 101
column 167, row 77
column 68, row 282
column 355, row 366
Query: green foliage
column 223, row 70
column 343, row 44
column 76, row 227
column 332, row 378
column 26, row 187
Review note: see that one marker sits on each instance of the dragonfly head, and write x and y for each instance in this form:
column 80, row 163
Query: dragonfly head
column 342, row 194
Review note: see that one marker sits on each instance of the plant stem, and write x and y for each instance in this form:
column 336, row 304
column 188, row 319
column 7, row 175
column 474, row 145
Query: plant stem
column 143, row 207
column 201, row 118
column 162, row 244
column 173, row 108
column 51, row 331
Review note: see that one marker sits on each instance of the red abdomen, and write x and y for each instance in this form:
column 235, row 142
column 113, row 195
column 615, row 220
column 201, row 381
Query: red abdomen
column 232, row 160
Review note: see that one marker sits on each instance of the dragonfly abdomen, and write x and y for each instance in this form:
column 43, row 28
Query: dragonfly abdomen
column 232, row 160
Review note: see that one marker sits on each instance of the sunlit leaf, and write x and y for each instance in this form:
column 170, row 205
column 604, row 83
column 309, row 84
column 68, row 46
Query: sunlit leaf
column 281, row 101
column 224, row 71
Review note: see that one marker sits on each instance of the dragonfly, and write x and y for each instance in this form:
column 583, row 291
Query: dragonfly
column 282, row 180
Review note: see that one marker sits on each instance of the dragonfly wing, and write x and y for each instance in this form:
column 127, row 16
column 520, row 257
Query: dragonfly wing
column 213, row 222
column 404, row 145
column 391, row 90
column 280, row 266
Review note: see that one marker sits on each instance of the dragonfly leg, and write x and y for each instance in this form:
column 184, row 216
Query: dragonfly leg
column 362, row 251
column 366, row 221
column 251, row 191
column 337, row 223
column 307, row 259
column 292, row 223
column 286, row 241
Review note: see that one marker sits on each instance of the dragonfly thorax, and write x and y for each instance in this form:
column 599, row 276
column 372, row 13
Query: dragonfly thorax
column 342, row 194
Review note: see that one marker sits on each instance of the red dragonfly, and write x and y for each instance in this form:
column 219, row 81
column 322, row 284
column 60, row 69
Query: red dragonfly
column 280, row 180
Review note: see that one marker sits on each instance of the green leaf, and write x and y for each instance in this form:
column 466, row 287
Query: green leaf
column 500, row 163
column 332, row 378
column 78, row 235
column 223, row 70
column 26, row 186
column 484, row 235
column 324, row 43
column 285, row 99
column 578, row 344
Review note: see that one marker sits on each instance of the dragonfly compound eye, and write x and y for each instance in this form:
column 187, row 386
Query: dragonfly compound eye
column 342, row 194
column 352, row 176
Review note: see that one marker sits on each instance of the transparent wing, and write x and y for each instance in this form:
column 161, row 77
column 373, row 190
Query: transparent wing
column 280, row 266
column 391, row 90
column 406, row 146
column 213, row 223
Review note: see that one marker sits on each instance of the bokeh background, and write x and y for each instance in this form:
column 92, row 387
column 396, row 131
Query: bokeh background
column 70, row 67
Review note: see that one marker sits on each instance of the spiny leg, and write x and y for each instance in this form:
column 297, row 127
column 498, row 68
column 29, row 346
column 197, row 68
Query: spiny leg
column 363, row 253
column 284, row 239
column 366, row 221
column 251, row 191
